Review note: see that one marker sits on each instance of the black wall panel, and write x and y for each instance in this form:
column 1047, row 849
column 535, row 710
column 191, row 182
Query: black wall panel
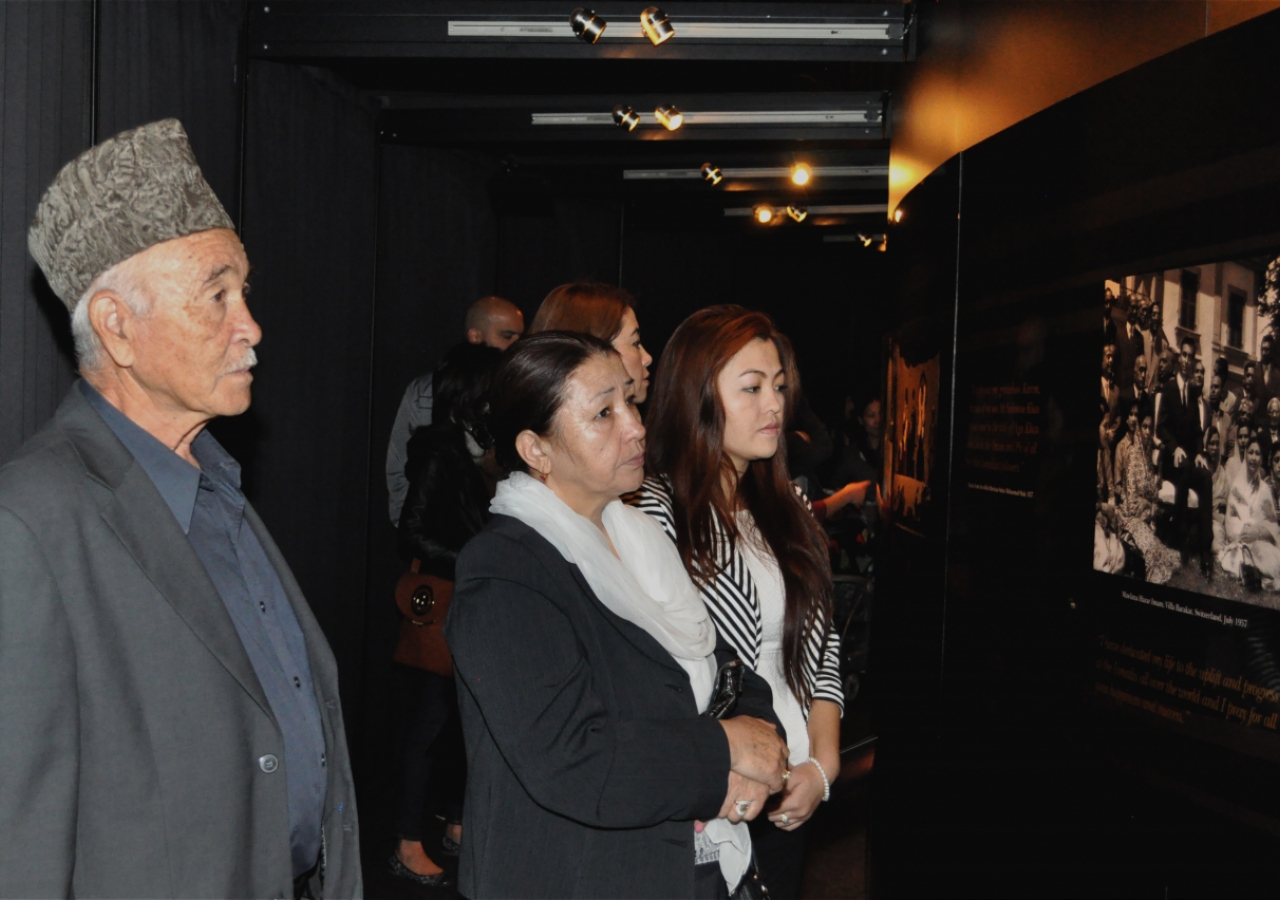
column 310, row 222
column 1018, row 774
column 173, row 58
column 45, row 104
column 563, row 241
column 436, row 255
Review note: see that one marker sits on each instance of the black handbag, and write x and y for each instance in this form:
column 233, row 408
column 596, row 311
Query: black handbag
column 724, row 699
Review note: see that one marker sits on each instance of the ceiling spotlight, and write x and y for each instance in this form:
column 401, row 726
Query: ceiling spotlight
column 800, row 174
column 587, row 25
column 670, row 117
column 711, row 173
column 797, row 213
column 866, row 241
column 897, row 216
column 626, row 117
column 884, row 244
column 655, row 25
column 763, row 213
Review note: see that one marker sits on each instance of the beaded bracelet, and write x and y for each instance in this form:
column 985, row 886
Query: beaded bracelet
column 826, row 784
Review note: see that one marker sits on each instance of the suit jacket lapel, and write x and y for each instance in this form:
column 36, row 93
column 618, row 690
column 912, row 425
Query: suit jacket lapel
column 146, row 527
column 139, row 517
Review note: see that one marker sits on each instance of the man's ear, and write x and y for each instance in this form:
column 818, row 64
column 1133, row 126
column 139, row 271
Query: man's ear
column 534, row 451
column 475, row 336
column 114, row 323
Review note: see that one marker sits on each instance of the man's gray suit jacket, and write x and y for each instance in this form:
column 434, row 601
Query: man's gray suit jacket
column 138, row 754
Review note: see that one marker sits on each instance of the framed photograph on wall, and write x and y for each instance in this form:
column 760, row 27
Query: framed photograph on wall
column 911, row 425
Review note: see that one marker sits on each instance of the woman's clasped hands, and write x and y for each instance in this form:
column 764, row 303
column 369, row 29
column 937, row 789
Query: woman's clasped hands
column 758, row 766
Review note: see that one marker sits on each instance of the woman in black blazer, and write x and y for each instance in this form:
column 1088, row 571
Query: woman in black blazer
column 589, row 763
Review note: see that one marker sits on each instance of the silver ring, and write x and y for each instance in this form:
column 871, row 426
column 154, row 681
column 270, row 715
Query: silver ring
column 786, row 773
column 742, row 806
column 785, row 820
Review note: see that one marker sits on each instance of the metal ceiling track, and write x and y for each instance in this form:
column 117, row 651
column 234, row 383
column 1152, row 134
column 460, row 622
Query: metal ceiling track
column 318, row 29
column 710, row 117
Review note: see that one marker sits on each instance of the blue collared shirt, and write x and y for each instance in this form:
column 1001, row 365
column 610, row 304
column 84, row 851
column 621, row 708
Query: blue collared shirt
column 209, row 507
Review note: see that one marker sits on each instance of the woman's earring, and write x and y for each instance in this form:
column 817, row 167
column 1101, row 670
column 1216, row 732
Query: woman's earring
column 542, row 476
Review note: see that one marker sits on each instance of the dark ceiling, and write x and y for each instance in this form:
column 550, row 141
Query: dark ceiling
column 410, row 82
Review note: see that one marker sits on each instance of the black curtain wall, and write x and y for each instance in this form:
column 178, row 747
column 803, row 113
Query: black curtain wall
column 310, row 208
column 436, row 250
column 45, row 112
column 173, row 58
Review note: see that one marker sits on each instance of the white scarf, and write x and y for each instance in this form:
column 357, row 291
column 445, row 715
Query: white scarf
column 646, row 584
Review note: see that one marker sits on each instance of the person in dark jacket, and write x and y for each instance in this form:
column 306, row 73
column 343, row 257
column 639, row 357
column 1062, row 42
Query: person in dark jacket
column 447, row 504
column 585, row 660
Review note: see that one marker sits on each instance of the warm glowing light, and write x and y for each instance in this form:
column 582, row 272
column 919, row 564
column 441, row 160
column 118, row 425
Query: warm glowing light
column 884, row 245
column 763, row 213
column 866, row 241
column 670, row 117
column 897, row 214
column 655, row 25
column 797, row 213
column 587, row 25
column 800, row 174
column 712, row 173
column 625, row 117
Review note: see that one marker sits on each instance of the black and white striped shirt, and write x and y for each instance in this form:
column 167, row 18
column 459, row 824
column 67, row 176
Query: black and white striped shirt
column 734, row 605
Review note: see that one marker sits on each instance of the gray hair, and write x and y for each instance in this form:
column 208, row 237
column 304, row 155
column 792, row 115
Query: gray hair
column 124, row 280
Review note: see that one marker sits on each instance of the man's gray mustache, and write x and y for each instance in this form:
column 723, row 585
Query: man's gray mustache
column 248, row 361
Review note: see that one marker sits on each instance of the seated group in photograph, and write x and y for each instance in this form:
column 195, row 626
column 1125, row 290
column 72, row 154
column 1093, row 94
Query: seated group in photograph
column 1188, row 472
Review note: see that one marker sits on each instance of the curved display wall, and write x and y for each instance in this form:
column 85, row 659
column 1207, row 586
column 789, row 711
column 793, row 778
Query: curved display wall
column 1082, row 648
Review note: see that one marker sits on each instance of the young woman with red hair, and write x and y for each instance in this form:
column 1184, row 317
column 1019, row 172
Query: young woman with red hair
column 602, row 310
column 718, row 486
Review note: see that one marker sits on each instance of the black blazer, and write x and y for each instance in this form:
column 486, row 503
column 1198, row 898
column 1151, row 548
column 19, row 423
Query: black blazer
column 447, row 503
column 587, row 761
column 1179, row 423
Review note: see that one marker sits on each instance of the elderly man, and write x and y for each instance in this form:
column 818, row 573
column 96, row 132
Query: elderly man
column 170, row 713
column 491, row 321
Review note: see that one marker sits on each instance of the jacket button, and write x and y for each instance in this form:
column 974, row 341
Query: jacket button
column 268, row 763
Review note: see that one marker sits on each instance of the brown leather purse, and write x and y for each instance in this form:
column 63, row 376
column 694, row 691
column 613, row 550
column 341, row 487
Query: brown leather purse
column 423, row 600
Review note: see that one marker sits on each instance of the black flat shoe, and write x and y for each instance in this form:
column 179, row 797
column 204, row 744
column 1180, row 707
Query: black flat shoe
column 438, row 880
column 449, row 846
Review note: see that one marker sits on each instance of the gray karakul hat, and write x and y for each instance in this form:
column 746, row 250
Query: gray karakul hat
column 133, row 191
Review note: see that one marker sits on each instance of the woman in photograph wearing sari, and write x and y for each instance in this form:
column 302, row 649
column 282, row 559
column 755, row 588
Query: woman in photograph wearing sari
column 1253, row 536
column 1136, row 488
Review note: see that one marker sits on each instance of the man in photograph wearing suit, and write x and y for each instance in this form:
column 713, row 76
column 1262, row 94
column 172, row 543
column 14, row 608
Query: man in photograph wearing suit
column 1139, row 390
column 1179, row 425
column 169, row 714
column 1219, row 411
column 1266, row 376
column 1130, row 346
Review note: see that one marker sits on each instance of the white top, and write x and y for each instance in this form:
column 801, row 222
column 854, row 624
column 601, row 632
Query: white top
column 772, row 594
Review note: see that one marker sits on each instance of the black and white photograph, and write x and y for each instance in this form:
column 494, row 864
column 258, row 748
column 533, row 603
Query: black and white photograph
column 1188, row 468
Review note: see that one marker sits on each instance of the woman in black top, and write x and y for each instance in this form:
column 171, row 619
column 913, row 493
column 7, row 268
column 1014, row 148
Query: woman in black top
column 447, row 503
column 584, row 657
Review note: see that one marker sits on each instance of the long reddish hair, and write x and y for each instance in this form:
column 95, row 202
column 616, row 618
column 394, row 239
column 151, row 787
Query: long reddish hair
column 686, row 444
